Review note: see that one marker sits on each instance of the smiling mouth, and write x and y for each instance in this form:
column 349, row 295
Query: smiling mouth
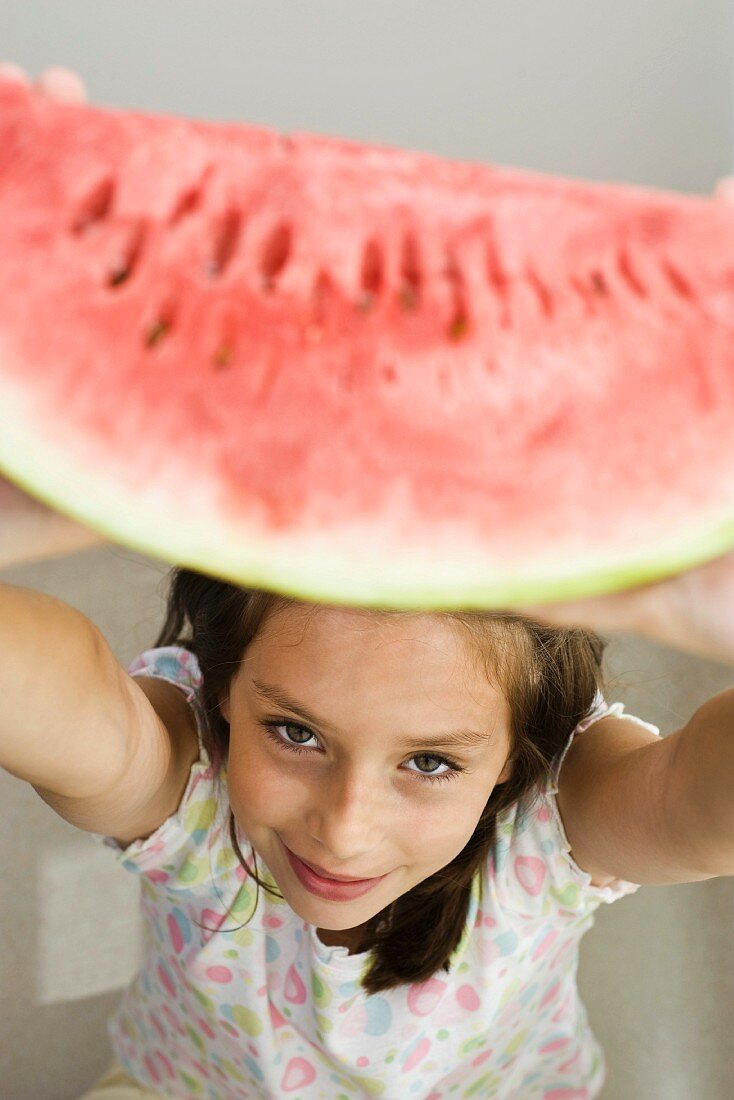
column 334, row 878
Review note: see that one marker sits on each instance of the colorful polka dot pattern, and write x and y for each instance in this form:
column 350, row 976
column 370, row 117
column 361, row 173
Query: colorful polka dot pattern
column 223, row 1012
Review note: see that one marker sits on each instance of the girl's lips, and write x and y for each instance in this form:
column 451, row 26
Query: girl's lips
column 328, row 888
column 335, row 878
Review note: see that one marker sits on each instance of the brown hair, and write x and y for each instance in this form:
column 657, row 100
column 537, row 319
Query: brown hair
column 548, row 675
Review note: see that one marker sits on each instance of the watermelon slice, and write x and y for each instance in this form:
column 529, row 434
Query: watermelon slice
column 357, row 374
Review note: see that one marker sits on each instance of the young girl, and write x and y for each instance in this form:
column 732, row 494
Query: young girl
column 369, row 842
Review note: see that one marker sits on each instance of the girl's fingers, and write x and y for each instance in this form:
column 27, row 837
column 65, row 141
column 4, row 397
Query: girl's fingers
column 59, row 83
column 11, row 71
column 62, row 84
column 724, row 189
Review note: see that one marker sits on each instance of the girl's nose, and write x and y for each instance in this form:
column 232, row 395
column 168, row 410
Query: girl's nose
column 348, row 824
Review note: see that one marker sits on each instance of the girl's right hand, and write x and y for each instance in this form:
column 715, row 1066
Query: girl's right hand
column 30, row 531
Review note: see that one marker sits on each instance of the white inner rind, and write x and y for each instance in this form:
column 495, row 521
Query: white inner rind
column 355, row 564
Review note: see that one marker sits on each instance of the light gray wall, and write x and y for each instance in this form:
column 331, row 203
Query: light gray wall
column 637, row 90
column 618, row 90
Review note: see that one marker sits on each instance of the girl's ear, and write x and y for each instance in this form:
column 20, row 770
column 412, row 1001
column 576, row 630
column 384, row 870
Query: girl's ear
column 224, row 706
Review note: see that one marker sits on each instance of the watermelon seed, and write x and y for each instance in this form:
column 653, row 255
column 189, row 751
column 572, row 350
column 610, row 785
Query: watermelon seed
column 118, row 275
column 124, row 267
column 96, row 206
column 499, row 282
column 459, row 324
column 545, row 297
column 275, row 254
column 223, row 356
column 408, row 297
column 389, row 373
column 458, row 328
column 598, row 282
column 629, row 275
column 157, row 331
column 228, row 234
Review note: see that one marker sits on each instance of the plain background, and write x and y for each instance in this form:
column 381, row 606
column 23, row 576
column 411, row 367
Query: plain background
column 622, row 90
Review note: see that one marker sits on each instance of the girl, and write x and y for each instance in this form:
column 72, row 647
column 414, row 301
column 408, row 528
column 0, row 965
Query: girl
column 369, row 842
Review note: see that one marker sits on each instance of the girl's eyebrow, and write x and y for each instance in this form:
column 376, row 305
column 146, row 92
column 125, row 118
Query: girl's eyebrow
column 466, row 739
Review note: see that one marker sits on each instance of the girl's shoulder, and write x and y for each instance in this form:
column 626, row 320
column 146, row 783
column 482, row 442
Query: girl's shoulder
column 182, row 853
column 531, row 868
column 173, row 663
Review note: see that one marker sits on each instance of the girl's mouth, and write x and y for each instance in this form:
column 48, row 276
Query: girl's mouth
column 328, row 888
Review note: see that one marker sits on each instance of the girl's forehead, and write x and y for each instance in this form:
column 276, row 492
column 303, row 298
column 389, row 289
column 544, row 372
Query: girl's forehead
column 305, row 628
column 351, row 647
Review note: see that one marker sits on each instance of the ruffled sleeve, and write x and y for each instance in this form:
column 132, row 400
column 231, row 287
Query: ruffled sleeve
column 534, row 870
column 178, row 855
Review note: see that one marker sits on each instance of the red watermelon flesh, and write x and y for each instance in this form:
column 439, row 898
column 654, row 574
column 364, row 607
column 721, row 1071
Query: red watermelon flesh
column 359, row 374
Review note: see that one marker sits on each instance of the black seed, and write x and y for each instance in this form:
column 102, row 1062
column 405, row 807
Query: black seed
column 157, row 332
column 118, row 275
column 598, row 282
column 408, row 297
column 223, row 355
column 458, row 328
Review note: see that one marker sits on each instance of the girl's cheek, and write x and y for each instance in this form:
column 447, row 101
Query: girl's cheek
column 258, row 790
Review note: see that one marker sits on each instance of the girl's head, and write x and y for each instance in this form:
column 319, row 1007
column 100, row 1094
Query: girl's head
column 379, row 743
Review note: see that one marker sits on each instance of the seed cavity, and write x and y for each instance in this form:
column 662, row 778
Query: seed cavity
column 371, row 275
column 160, row 327
column 678, row 281
column 96, row 205
column 275, row 253
column 411, row 276
column 629, row 275
column 584, row 291
column 190, row 200
column 499, row 282
column 227, row 237
column 545, row 298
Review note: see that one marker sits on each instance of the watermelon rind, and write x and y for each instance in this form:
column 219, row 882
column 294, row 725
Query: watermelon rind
column 322, row 569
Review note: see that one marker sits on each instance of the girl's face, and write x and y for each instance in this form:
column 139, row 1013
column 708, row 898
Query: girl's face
column 368, row 784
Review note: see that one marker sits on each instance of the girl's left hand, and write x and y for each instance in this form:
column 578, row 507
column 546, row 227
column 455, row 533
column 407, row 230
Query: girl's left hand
column 692, row 611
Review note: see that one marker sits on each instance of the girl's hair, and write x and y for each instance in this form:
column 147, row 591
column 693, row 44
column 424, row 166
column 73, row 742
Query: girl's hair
column 549, row 677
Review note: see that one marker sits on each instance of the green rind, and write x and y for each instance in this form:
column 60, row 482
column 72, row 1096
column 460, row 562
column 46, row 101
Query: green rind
column 287, row 564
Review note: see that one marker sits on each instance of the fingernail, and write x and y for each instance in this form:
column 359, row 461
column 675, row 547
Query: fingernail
column 10, row 71
column 62, row 84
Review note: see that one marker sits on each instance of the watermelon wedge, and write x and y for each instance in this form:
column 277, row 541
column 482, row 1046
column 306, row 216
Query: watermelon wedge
column 357, row 374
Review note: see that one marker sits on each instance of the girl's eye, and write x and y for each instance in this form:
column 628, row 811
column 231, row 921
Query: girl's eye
column 272, row 726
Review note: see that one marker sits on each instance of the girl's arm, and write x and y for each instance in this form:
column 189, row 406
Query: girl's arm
column 703, row 777
column 110, row 754
column 652, row 810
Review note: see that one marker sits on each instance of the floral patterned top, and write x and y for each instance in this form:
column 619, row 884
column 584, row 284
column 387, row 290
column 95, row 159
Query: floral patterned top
column 223, row 1009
